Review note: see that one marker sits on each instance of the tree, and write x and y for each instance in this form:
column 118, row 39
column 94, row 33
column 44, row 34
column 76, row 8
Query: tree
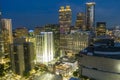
column 2, row 72
column 76, row 73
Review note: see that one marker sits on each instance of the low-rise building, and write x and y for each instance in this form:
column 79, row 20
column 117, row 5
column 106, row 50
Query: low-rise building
column 101, row 61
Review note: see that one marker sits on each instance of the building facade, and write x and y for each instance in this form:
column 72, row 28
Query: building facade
column 17, row 59
column 65, row 18
column 55, row 28
column 101, row 29
column 37, row 30
column 0, row 21
column 90, row 16
column 7, row 33
column 20, row 32
column 80, row 21
column 44, row 47
column 74, row 42
column 1, row 38
column 22, row 57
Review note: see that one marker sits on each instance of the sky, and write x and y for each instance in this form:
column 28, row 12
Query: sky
column 32, row 13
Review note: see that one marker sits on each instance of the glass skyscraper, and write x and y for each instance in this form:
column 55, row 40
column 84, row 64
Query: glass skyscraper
column 0, row 21
column 90, row 16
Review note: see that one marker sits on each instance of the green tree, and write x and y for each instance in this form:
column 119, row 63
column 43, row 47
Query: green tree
column 2, row 71
column 76, row 73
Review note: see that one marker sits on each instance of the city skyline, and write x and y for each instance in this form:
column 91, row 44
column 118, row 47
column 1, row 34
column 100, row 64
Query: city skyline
column 70, row 40
column 39, row 13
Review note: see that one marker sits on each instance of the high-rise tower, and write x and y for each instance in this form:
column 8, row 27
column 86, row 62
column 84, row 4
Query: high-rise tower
column 1, row 38
column 7, row 34
column 80, row 21
column 22, row 56
column 90, row 16
column 65, row 19
column 0, row 22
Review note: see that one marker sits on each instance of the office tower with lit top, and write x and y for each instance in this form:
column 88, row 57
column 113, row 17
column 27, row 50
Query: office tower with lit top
column 80, row 21
column 65, row 18
column 90, row 16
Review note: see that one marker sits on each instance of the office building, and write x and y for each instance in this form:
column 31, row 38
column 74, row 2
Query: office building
column 80, row 21
column 80, row 40
column 1, row 38
column 7, row 33
column 55, row 28
column 7, row 40
column 4, row 47
column 29, row 56
column 66, row 44
column 20, row 32
column 0, row 22
column 74, row 42
column 101, row 29
column 65, row 19
column 2, row 72
column 37, row 30
column 44, row 47
column 22, row 57
column 90, row 16
column 17, row 59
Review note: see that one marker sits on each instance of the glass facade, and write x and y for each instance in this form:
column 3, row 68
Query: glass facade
column 65, row 19
column 90, row 15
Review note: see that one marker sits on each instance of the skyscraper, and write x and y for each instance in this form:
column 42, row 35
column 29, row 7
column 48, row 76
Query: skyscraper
column 1, row 39
column 17, row 59
column 65, row 18
column 7, row 34
column 7, row 24
column 55, row 28
column 90, row 16
column 22, row 57
column 80, row 21
column 0, row 21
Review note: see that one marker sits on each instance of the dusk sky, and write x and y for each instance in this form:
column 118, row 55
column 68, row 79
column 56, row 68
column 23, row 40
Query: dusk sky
column 32, row 13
